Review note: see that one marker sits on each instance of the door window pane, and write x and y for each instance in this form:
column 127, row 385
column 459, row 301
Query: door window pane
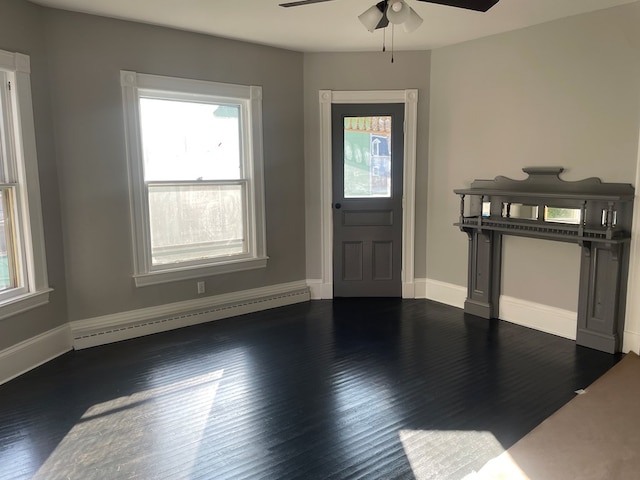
column 195, row 222
column 367, row 157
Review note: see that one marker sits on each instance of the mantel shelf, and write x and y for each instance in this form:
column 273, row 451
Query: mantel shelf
column 580, row 196
column 549, row 231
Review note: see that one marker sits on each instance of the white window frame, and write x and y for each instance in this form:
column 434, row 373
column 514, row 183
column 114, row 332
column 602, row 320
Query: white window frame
column 134, row 85
column 19, row 150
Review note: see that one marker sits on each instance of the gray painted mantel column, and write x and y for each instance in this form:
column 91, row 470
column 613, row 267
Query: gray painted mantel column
column 595, row 215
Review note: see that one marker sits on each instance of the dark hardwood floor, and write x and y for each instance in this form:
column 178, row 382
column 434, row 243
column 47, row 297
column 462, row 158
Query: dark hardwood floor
column 360, row 388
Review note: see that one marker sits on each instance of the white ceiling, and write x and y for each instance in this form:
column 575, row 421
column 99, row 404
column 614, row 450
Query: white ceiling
column 331, row 26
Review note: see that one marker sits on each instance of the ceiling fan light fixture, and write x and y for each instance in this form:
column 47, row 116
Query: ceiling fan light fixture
column 371, row 17
column 397, row 11
column 412, row 22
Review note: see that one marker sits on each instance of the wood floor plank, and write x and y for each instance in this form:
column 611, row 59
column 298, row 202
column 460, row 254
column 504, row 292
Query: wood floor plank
column 344, row 389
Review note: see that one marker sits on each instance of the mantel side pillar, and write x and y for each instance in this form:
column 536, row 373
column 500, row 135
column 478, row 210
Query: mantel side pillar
column 599, row 314
column 484, row 271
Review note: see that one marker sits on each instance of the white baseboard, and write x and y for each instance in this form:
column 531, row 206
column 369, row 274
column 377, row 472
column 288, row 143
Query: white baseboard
column 539, row 317
column 521, row 312
column 136, row 323
column 631, row 342
column 319, row 290
column 420, row 288
column 442, row 292
column 31, row 353
column 409, row 290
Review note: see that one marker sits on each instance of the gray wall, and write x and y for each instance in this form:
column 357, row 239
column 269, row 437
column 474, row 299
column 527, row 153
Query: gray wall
column 86, row 54
column 21, row 30
column 362, row 71
column 563, row 93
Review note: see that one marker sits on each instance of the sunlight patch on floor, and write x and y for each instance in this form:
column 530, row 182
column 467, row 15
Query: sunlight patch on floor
column 115, row 439
column 503, row 467
column 448, row 454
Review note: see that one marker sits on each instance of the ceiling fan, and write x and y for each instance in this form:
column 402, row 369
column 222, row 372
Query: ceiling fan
column 399, row 13
column 477, row 5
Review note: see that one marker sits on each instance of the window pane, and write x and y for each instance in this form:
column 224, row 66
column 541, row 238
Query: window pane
column 367, row 157
column 4, row 120
column 196, row 222
column 189, row 141
column 7, row 254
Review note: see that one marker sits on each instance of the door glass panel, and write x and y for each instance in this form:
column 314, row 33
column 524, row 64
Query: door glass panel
column 367, row 157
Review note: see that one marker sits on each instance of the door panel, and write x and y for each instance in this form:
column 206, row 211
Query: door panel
column 382, row 261
column 368, row 146
column 352, row 261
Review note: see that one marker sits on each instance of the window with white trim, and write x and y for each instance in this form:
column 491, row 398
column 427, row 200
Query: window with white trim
column 23, row 272
column 195, row 159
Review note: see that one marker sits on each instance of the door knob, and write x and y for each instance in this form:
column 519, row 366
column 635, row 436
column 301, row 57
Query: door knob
column 338, row 206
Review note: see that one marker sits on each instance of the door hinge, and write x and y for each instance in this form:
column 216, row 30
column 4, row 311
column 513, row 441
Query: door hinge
column 9, row 84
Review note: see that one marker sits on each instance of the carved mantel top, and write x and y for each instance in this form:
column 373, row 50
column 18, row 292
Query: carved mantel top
column 545, row 182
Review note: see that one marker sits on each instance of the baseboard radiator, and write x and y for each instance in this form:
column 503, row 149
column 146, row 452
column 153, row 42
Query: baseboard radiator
column 137, row 323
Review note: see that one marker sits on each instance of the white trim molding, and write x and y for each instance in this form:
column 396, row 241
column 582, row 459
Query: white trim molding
column 409, row 98
column 31, row 353
column 25, row 303
column 136, row 323
column 248, row 100
column 544, row 318
column 631, row 342
column 319, row 290
column 20, row 163
column 443, row 292
column 420, row 288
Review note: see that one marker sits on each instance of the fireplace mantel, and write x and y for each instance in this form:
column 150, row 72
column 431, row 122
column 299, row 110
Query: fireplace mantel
column 595, row 215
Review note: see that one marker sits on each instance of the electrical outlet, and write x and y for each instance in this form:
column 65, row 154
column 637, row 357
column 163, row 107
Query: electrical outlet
column 200, row 287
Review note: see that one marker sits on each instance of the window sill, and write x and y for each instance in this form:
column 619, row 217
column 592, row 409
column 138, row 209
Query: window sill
column 25, row 302
column 154, row 278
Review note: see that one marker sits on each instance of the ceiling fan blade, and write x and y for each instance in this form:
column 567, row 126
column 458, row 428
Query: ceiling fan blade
column 302, row 2
column 384, row 21
column 477, row 5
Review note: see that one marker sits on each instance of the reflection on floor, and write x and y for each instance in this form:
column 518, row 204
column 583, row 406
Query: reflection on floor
column 359, row 388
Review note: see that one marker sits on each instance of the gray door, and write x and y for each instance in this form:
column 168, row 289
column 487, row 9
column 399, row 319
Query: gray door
column 368, row 147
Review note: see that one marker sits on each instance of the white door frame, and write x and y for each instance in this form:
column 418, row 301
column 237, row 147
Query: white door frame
column 410, row 100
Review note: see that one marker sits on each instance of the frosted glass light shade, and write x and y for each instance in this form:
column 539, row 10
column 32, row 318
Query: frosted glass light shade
column 397, row 15
column 413, row 20
column 370, row 18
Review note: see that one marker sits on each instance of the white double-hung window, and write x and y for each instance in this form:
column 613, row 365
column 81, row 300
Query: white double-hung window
column 23, row 270
column 195, row 162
